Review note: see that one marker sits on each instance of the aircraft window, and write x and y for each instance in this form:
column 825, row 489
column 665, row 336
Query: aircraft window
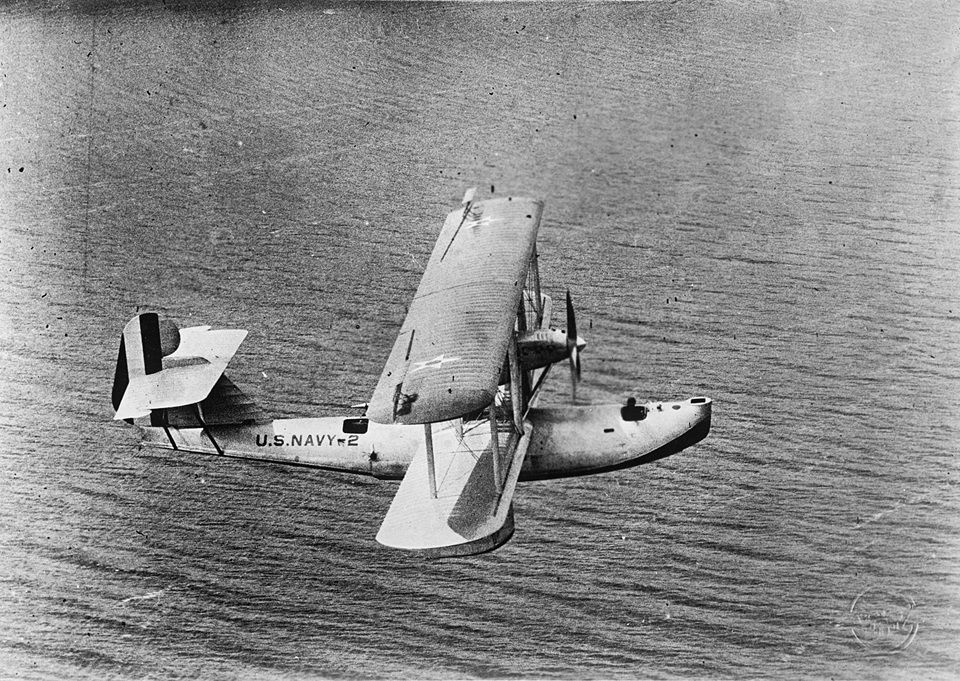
column 631, row 412
column 358, row 426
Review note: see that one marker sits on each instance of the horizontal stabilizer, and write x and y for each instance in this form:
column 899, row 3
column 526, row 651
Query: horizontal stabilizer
column 472, row 511
column 161, row 366
column 226, row 405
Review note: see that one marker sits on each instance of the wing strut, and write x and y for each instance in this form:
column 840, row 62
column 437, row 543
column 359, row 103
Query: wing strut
column 538, row 300
column 160, row 417
column 431, row 468
column 516, row 385
column 206, row 429
column 495, row 446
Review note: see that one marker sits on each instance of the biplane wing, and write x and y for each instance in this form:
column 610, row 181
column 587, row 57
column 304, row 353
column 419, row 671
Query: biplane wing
column 449, row 354
column 471, row 511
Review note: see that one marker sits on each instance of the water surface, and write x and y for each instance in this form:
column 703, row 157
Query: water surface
column 756, row 202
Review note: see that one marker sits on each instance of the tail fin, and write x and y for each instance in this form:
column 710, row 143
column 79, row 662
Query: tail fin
column 149, row 340
column 160, row 366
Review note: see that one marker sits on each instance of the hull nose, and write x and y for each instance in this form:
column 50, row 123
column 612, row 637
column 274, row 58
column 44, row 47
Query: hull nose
column 704, row 408
column 696, row 415
column 703, row 404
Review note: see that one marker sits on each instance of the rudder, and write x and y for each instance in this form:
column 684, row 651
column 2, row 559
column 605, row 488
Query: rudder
column 145, row 341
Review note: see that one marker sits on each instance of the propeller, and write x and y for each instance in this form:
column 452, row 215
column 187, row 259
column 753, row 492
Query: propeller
column 575, row 345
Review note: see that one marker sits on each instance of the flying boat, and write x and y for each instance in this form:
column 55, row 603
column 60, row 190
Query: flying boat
column 455, row 415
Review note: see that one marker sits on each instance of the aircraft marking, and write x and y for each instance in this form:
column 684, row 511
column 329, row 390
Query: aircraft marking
column 478, row 222
column 435, row 363
column 264, row 440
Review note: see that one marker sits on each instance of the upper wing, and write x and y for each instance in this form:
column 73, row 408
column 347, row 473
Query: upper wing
column 447, row 359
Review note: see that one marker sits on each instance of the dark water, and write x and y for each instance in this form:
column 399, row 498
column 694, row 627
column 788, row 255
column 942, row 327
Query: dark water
column 753, row 201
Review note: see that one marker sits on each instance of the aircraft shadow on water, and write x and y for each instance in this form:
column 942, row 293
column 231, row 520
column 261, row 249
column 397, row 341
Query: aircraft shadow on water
column 455, row 414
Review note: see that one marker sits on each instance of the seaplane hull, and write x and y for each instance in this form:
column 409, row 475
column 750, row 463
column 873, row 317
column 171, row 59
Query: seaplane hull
column 567, row 441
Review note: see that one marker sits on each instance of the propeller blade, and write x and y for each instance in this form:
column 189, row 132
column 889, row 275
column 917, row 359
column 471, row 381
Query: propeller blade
column 571, row 321
column 574, row 374
column 574, row 345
